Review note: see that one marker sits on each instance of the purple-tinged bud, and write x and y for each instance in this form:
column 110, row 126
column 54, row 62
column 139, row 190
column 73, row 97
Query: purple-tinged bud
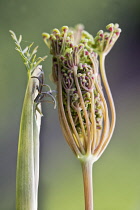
column 81, row 46
column 75, row 48
column 46, row 35
column 56, row 31
column 57, row 36
column 110, row 27
column 118, row 31
column 86, row 53
column 71, row 45
column 67, row 54
column 84, row 66
column 100, row 33
column 62, row 58
column 65, row 29
column 52, row 37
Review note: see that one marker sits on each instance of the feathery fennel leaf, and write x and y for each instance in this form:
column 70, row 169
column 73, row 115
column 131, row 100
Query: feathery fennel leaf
column 28, row 55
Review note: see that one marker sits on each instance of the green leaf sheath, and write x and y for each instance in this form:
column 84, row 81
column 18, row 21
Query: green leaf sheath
column 28, row 151
column 36, row 133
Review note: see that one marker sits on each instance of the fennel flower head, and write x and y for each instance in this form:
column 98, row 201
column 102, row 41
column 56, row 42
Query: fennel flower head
column 78, row 71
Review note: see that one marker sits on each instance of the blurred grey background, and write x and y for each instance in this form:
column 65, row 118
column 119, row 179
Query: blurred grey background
column 116, row 175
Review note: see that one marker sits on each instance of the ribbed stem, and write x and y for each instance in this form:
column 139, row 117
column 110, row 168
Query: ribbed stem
column 88, row 187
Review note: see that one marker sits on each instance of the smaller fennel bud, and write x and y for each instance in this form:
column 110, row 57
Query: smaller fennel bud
column 65, row 29
column 110, row 27
column 45, row 35
column 105, row 41
column 56, row 31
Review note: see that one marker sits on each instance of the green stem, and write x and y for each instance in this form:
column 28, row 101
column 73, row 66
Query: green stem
column 28, row 150
column 87, row 180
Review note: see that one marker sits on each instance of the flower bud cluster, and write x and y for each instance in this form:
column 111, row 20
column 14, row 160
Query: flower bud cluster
column 76, row 67
column 104, row 41
column 82, row 107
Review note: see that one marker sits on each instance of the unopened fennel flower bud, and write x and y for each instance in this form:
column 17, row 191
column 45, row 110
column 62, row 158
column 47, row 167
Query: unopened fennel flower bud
column 83, row 111
column 82, row 106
